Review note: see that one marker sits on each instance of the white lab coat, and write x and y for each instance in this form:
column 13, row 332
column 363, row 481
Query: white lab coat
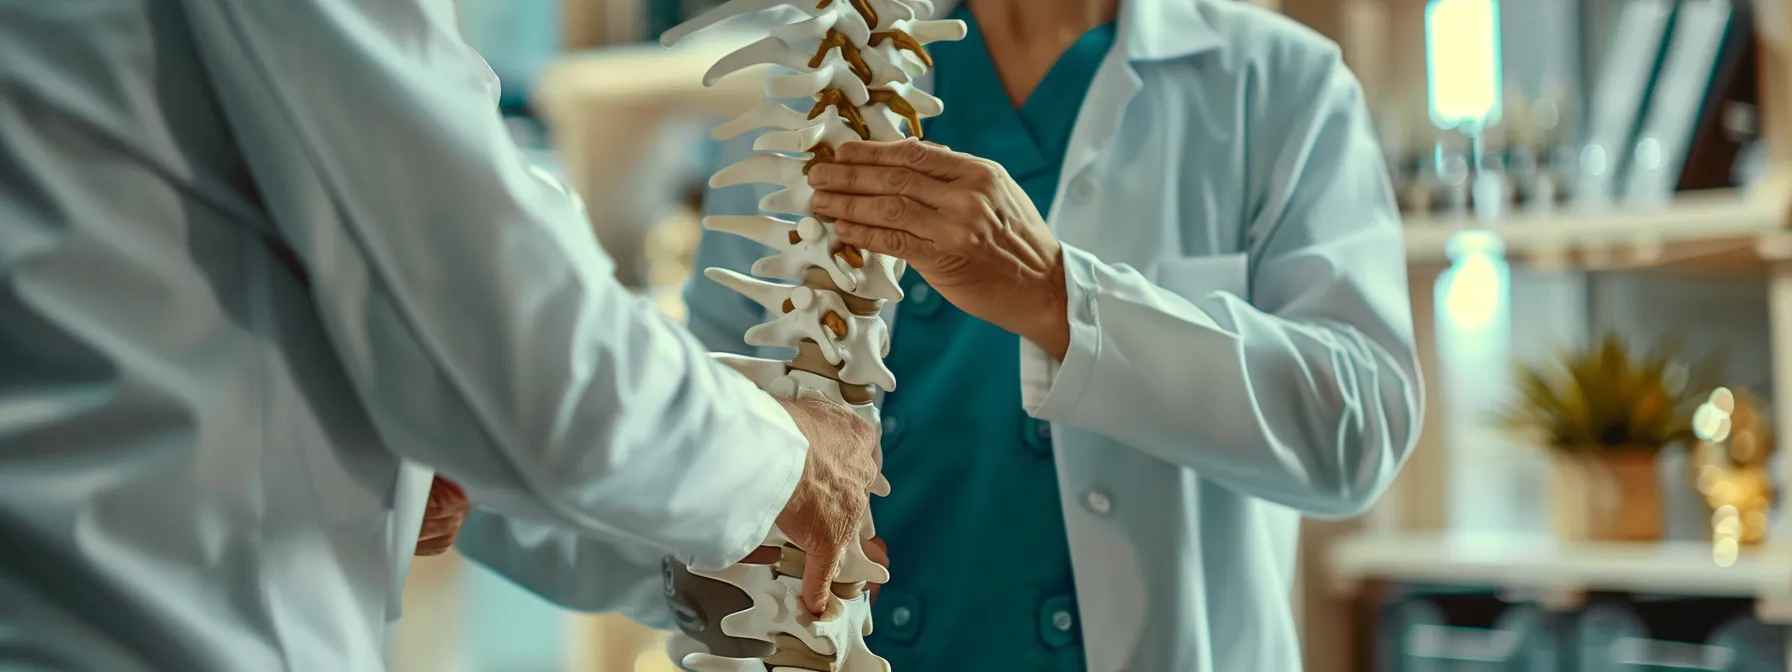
column 263, row 266
column 1241, row 340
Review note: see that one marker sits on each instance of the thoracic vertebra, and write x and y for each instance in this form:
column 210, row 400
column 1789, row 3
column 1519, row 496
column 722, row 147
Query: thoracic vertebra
column 856, row 62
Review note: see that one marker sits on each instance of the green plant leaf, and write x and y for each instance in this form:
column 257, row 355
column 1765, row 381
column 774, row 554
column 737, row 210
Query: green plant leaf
column 1608, row 396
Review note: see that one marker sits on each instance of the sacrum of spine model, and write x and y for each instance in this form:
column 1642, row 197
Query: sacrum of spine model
column 856, row 61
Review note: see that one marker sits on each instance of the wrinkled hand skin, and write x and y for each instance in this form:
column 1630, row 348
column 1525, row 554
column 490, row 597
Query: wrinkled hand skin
column 834, row 495
column 447, row 511
column 961, row 222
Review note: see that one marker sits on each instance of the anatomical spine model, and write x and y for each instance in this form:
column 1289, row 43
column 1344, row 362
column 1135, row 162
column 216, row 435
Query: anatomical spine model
column 856, row 60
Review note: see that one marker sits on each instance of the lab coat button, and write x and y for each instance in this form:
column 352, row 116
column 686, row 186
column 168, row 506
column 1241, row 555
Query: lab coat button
column 1084, row 188
column 1098, row 502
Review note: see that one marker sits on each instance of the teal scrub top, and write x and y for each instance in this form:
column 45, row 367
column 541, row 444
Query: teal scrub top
column 974, row 520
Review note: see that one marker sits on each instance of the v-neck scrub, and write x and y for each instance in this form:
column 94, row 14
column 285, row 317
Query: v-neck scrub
column 981, row 563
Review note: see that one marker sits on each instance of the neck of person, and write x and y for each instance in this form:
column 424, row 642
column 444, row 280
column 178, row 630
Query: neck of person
column 1045, row 21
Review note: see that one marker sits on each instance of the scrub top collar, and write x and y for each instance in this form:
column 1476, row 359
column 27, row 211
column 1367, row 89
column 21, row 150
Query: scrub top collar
column 1151, row 30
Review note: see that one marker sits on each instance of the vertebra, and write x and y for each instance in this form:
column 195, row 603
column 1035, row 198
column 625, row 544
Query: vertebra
column 856, row 61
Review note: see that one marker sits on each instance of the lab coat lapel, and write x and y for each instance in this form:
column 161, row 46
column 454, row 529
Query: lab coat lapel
column 1150, row 30
column 1115, row 85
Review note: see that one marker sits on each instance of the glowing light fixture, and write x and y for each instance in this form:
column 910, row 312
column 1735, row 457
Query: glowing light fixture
column 1462, row 64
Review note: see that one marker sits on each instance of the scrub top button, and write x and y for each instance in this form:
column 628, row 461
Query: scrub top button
column 920, row 300
column 1057, row 622
column 892, row 425
column 1062, row 621
column 901, row 620
column 1036, row 434
column 1098, row 502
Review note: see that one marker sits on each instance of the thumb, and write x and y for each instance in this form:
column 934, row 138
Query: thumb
column 819, row 571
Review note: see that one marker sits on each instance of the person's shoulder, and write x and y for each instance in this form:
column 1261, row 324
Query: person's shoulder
column 1254, row 38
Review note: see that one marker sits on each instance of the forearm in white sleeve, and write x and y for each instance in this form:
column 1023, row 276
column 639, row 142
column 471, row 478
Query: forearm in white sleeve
column 1306, row 392
column 466, row 296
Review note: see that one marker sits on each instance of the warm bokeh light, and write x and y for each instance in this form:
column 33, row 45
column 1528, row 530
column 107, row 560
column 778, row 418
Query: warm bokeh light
column 1730, row 471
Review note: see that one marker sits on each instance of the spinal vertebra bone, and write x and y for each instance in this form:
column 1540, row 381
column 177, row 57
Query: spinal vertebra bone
column 856, row 61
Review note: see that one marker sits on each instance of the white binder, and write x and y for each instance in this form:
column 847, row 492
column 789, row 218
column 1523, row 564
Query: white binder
column 1619, row 91
column 1681, row 87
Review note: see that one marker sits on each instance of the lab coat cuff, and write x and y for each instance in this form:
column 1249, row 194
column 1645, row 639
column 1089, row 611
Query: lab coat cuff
column 1051, row 389
column 782, row 452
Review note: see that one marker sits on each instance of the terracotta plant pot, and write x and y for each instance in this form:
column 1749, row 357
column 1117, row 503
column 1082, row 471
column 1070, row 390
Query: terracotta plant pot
column 1608, row 494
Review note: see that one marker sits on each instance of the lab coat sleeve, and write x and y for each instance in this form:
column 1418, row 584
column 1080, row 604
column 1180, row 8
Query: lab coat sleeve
column 465, row 295
column 587, row 574
column 576, row 572
column 1305, row 393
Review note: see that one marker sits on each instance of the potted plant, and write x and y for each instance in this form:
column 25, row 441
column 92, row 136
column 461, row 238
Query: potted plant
column 1605, row 413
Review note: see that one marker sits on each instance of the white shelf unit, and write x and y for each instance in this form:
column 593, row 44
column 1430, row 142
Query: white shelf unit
column 1716, row 233
column 1709, row 233
column 1719, row 233
column 1559, row 574
column 1720, row 230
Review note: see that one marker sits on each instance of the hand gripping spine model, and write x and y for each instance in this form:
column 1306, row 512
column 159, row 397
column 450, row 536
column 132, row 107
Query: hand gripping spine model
column 857, row 61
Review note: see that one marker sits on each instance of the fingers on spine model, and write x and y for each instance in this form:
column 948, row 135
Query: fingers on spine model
column 856, row 60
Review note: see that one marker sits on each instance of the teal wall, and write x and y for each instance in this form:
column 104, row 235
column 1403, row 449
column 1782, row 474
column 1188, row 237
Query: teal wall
column 510, row 629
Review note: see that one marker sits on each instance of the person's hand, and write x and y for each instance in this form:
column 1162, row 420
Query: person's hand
column 834, row 495
column 448, row 509
column 961, row 222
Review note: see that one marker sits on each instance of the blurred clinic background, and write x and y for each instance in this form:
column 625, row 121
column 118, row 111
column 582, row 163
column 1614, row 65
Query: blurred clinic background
column 1596, row 197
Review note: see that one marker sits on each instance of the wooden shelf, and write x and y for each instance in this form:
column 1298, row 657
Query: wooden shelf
column 1559, row 572
column 1716, row 232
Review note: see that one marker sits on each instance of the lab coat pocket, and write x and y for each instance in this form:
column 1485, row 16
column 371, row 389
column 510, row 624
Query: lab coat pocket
column 1195, row 277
